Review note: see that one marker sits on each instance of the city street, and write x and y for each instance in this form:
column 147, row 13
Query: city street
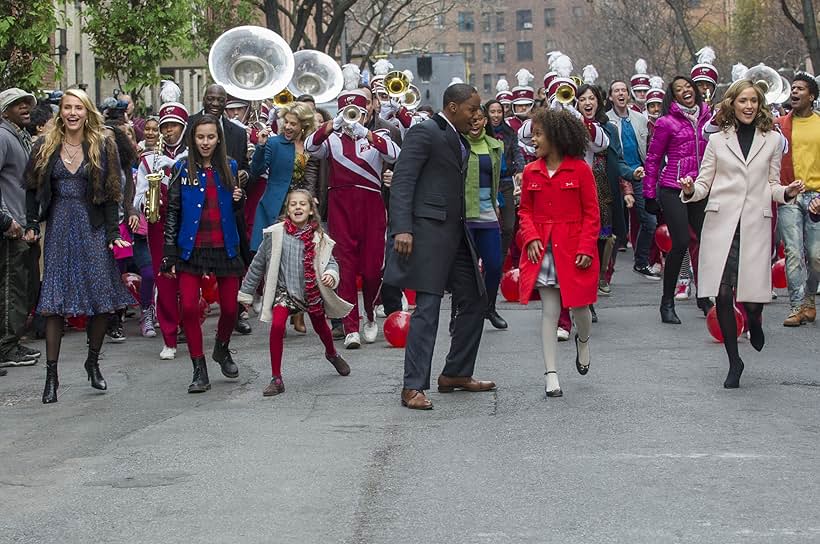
column 647, row 448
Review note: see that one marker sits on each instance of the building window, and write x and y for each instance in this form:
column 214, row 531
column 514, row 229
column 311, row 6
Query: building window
column 577, row 11
column 501, row 76
column 500, row 53
column 486, row 52
column 550, row 45
column 488, row 83
column 549, row 17
column 465, row 21
column 524, row 50
column 439, row 21
column 523, row 19
column 485, row 22
column 468, row 50
column 499, row 21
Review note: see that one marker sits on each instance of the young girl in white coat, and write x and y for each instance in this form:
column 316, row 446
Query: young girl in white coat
column 295, row 259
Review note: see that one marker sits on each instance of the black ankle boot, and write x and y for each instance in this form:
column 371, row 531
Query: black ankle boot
column 705, row 304
column 52, row 383
column 733, row 378
column 222, row 355
column 593, row 313
column 92, row 367
column 668, row 314
column 200, row 382
column 495, row 320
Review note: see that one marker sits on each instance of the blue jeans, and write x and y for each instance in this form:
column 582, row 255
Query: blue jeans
column 488, row 244
column 801, row 237
column 646, row 233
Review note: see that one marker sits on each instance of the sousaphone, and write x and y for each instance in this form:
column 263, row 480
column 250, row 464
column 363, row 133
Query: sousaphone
column 316, row 74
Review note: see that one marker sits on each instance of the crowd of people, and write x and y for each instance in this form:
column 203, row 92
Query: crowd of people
column 294, row 210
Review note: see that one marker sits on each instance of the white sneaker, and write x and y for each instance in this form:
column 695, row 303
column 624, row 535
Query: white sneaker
column 563, row 334
column 352, row 341
column 682, row 290
column 371, row 330
column 167, row 353
column 380, row 311
column 657, row 269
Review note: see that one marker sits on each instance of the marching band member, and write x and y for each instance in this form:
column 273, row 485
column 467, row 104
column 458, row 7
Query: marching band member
column 705, row 75
column 552, row 56
column 522, row 100
column 504, row 96
column 639, row 85
column 356, row 215
column 654, row 101
column 173, row 120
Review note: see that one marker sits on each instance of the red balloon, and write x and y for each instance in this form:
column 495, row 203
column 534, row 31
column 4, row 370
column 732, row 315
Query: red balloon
column 210, row 290
column 781, row 250
column 77, row 322
column 713, row 326
column 204, row 310
column 410, row 295
column 509, row 285
column 132, row 283
column 779, row 274
column 508, row 262
column 663, row 239
column 396, row 327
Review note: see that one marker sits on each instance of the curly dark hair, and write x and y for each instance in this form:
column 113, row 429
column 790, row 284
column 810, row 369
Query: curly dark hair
column 565, row 132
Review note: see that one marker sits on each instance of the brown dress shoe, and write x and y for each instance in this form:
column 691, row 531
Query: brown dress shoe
column 339, row 364
column 448, row 384
column 415, row 400
column 298, row 322
column 275, row 387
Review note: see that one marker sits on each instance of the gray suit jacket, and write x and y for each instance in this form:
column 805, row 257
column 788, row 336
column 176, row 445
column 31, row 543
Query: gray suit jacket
column 640, row 124
column 427, row 201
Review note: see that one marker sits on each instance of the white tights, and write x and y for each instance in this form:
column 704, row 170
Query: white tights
column 550, row 312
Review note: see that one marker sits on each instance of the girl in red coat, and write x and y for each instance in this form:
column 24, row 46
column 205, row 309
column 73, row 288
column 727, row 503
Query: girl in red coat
column 560, row 221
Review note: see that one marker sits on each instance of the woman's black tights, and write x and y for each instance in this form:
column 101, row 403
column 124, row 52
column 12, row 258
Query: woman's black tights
column 725, row 308
column 97, row 326
column 679, row 217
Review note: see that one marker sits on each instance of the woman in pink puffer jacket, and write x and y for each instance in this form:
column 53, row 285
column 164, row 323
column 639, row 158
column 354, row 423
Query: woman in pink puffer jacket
column 675, row 152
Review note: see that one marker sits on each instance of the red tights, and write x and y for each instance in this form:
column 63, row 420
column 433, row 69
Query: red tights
column 189, row 286
column 277, row 336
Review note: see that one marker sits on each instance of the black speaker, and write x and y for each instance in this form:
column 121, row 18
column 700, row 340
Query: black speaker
column 424, row 68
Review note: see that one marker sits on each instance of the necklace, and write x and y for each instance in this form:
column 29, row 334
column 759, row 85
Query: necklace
column 70, row 157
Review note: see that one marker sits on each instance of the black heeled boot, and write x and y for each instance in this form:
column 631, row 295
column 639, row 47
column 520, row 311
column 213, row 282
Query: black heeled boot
column 200, row 382
column 668, row 314
column 222, row 355
column 733, row 378
column 756, row 336
column 495, row 320
column 92, row 367
column 705, row 304
column 52, row 383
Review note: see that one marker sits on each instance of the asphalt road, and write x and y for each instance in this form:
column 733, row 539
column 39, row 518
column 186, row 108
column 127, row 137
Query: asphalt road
column 647, row 448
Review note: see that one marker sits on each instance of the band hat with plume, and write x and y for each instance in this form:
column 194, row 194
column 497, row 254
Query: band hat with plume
column 171, row 110
column 655, row 93
column 640, row 80
column 551, row 74
column 738, row 70
column 589, row 74
column 380, row 69
column 523, row 93
column 351, row 76
column 354, row 97
column 563, row 70
column 503, row 93
column 705, row 70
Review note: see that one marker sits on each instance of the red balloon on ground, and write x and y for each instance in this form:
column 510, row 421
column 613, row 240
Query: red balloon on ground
column 713, row 326
column 204, row 309
column 132, row 283
column 210, row 290
column 396, row 328
column 779, row 274
column 781, row 250
column 410, row 295
column 509, row 285
column 77, row 322
column 663, row 239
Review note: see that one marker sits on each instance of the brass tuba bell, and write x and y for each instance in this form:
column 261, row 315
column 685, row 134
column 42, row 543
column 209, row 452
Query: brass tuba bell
column 412, row 98
column 396, row 83
column 565, row 94
column 768, row 80
column 316, row 74
column 251, row 62
column 283, row 98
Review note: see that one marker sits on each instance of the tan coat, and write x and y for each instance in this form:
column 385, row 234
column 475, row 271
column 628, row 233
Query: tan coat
column 267, row 260
column 739, row 190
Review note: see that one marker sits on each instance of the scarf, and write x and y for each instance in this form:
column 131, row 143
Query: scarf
column 492, row 147
column 690, row 113
column 313, row 298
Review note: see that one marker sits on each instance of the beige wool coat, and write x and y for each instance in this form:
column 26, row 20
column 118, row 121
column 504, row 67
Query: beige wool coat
column 266, row 264
column 739, row 191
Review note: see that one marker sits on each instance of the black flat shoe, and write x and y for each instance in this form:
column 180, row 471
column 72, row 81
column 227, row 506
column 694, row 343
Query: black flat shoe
column 733, row 378
column 582, row 369
column 496, row 320
column 705, row 304
column 555, row 392
column 668, row 314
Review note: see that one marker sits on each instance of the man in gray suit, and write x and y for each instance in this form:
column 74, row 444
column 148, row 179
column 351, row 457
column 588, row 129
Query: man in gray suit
column 431, row 249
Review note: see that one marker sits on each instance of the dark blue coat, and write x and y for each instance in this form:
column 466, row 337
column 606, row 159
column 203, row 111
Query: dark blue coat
column 616, row 168
column 276, row 158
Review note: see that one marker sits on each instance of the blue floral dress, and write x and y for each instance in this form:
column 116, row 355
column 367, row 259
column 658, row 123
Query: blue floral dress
column 80, row 276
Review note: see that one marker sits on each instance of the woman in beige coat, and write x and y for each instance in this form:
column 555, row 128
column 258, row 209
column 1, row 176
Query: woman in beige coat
column 740, row 176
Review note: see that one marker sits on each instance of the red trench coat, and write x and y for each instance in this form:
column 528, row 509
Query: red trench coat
column 562, row 209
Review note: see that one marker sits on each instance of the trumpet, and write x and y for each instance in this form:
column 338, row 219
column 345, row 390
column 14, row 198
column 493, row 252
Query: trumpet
column 283, row 98
column 154, row 183
column 351, row 115
column 396, row 83
column 565, row 94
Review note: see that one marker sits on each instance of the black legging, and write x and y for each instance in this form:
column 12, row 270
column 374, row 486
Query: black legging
column 96, row 324
column 679, row 217
column 725, row 308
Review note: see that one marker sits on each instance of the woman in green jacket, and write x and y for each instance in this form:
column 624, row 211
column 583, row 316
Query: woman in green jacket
column 480, row 193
